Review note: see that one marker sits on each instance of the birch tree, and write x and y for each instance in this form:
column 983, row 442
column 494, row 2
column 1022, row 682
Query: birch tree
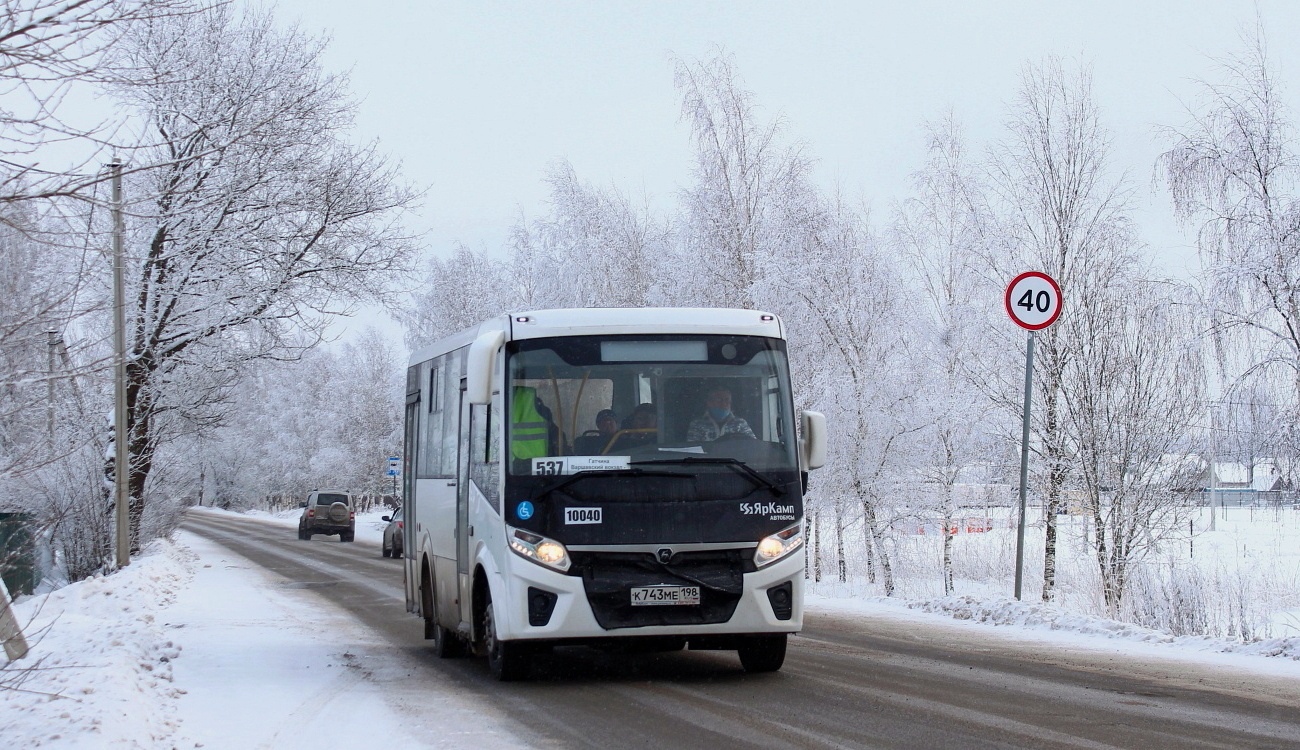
column 942, row 231
column 848, row 299
column 454, row 293
column 1133, row 393
column 748, row 193
column 1060, row 212
column 1234, row 175
column 258, row 219
column 599, row 248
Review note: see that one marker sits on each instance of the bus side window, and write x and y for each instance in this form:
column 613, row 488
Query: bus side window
column 485, row 451
column 454, row 368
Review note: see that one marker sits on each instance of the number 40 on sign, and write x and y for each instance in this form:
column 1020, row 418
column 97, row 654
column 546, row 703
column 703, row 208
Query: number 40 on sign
column 1033, row 300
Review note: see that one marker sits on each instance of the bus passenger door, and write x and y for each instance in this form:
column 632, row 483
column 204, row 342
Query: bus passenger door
column 411, row 442
column 465, row 585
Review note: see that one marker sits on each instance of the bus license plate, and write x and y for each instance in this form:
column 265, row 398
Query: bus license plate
column 643, row 596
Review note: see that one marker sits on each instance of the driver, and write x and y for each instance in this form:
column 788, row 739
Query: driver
column 717, row 419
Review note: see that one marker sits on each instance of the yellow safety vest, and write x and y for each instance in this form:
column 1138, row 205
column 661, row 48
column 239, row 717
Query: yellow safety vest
column 529, row 431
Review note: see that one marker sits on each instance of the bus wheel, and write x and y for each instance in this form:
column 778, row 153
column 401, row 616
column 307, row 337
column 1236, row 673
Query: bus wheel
column 507, row 661
column 762, row 653
column 426, row 604
column 445, row 643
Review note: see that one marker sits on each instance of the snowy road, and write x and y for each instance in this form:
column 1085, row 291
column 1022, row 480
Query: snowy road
column 860, row 681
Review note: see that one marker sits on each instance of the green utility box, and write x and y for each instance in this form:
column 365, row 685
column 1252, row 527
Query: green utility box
column 18, row 553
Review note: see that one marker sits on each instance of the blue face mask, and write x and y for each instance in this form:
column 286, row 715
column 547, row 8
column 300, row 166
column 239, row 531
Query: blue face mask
column 719, row 415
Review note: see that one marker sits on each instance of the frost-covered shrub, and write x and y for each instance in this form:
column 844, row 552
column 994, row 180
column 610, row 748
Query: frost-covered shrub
column 1170, row 598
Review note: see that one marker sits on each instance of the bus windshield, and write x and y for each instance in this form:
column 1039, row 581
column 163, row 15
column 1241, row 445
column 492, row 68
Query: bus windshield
column 601, row 403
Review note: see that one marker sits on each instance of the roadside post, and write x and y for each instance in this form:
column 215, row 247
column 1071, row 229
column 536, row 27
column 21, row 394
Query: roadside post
column 394, row 471
column 11, row 633
column 1033, row 300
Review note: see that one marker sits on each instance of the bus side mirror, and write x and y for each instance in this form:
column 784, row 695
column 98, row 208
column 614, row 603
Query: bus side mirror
column 812, row 448
column 482, row 361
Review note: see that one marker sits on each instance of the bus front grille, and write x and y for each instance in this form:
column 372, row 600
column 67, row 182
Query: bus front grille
column 609, row 577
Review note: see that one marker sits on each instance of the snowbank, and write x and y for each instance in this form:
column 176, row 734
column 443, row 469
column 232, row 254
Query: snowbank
column 192, row 646
column 100, row 668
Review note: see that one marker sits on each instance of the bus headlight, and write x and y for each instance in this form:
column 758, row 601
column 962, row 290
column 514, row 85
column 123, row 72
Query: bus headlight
column 780, row 544
column 539, row 549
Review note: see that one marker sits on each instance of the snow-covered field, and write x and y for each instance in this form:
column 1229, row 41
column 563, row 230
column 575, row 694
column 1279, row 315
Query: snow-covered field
column 1236, row 578
column 191, row 646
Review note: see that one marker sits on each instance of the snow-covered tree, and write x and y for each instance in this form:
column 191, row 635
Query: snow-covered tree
column 1132, row 393
column 329, row 419
column 1234, row 174
column 845, row 309
column 52, row 426
column 454, row 293
column 1060, row 213
column 255, row 217
column 597, row 247
column 48, row 48
column 750, row 191
column 942, row 231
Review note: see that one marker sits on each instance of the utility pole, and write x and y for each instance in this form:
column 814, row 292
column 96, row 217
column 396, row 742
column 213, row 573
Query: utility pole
column 52, row 343
column 1214, row 458
column 121, row 457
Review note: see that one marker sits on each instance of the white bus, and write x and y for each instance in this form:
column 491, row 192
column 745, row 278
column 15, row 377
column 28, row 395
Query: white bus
column 681, row 523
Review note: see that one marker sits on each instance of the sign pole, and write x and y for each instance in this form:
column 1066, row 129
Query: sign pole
column 394, row 470
column 1024, row 461
column 1033, row 301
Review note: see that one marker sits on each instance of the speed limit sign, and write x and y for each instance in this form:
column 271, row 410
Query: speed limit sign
column 1033, row 300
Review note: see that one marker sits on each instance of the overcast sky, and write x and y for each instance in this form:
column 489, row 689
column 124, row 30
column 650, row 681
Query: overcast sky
column 478, row 98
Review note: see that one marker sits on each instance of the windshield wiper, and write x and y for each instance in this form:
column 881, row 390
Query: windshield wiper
column 731, row 463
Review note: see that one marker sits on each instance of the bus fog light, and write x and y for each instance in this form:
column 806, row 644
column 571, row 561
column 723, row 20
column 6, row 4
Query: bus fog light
column 773, row 548
column 539, row 549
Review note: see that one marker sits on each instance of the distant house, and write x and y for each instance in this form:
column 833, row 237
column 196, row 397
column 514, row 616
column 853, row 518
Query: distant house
column 1239, row 484
column 977, row 485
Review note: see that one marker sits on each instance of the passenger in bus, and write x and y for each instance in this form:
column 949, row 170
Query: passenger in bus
column 717, row 419
column 607, row 423
column 592, row 442
column 640, row 428
column 643, row 417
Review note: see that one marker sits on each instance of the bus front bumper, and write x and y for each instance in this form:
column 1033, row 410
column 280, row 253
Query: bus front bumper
column 569, row 614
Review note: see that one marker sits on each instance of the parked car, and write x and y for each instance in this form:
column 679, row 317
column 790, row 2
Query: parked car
column 392, row 546
column 328, row 512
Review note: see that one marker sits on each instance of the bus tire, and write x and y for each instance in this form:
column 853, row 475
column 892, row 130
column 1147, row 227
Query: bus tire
column 507, row 661
column 762, row 653
column 446, row 644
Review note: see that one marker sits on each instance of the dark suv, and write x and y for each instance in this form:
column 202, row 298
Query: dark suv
column 328, row 512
